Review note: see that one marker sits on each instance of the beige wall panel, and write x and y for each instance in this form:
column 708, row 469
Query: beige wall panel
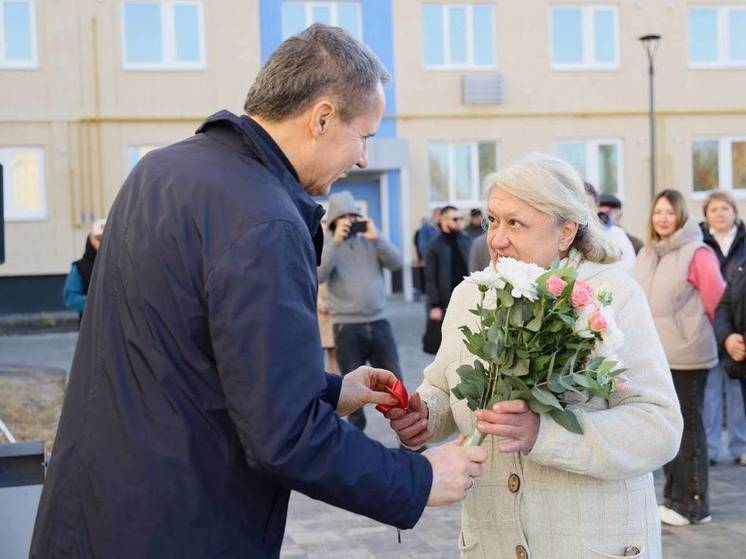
column 41, row 246
column 523, row 57
column 519, row 136
column 231, row 37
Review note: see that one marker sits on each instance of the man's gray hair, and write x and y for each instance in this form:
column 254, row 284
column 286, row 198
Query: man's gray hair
column 319, row 61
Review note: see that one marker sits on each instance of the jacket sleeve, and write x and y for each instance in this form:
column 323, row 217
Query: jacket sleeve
column 387, row 254
column 72, row 292
column 641, row 430
column 260, row 297
column 431, row 278
column 724, row 325
column 328, row 260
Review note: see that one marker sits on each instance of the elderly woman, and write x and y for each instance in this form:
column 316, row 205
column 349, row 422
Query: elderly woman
column 547, row 492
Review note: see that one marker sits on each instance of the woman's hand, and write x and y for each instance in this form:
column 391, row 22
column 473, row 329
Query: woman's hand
column 735, row 347
column 411, row 425
column 510, row 419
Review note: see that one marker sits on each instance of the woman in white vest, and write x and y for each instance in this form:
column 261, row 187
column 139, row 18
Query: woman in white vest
column 548, row 493
column 681, row 277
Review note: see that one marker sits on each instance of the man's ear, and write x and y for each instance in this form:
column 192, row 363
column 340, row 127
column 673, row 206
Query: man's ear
column 569, row 230
column 322, row 114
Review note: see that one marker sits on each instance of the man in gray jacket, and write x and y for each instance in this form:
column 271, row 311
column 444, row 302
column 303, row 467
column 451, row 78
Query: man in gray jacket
column 352, row 264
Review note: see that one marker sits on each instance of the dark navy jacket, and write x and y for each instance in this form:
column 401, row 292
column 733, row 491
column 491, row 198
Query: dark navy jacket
column 197, row 398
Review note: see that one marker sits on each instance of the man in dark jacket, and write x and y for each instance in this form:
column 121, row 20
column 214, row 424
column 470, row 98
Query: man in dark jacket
column 197, row 399
column 446, row 262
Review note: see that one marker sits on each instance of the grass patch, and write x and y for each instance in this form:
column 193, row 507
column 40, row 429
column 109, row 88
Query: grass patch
column 30, row 405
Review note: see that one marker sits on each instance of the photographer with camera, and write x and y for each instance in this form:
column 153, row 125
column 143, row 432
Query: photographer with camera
column 352, row 265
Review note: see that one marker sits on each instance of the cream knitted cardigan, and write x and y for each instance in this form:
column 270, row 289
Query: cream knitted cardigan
column 578, row 496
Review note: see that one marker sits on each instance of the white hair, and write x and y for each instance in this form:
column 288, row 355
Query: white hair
column 552, row 186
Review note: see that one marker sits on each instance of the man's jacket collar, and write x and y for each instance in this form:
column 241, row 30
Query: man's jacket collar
column 310, row 211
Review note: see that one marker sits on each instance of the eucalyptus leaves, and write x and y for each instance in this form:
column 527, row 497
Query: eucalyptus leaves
column 543, row 335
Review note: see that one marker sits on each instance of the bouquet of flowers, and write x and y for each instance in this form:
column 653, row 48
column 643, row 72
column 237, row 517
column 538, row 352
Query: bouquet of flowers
column 544, row 336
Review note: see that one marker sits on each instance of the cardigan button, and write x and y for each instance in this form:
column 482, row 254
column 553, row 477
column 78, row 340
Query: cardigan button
column 514, row 483
column 520, row 552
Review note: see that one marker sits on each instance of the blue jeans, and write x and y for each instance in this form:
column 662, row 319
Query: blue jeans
column 712, row 416
column 371, row 342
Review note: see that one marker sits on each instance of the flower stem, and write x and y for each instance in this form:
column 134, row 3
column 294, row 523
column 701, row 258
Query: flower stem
column 474, row 438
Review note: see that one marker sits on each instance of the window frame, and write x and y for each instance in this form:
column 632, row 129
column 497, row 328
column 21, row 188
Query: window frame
column 591, row 160
column 725, row 165
column 587, row 46
column 722, row 32
column 309, row 5
column 6, row 153
column 33, row 63
column 168, row 38
column 476, row 186
column 446, row 38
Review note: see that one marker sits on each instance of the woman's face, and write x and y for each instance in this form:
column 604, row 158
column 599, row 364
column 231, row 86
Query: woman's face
column 720, row 216
column 665, row 222
column 519, row 231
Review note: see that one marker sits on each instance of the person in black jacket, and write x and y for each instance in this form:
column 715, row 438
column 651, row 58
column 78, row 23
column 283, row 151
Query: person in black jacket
column 197, row 398
column 725, row 233
column 446, row 262
column 730, row 326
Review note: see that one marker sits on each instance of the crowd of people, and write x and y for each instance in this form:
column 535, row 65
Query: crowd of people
column 199, row 398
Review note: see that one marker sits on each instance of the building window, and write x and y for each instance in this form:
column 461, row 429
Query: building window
column 719, row 163
column 457, row 171
column 296, row 16
column 24, row 194
column 135, row 153
column 458, row 36
column 717, row 37
column 17, row 34
column 597, row 161
column 584, row 37
column 166, row 35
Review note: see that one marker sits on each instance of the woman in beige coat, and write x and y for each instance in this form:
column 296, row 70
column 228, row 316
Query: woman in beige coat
column 548, row 493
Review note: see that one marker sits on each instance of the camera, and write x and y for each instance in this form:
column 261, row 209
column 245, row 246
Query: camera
column 358, row 227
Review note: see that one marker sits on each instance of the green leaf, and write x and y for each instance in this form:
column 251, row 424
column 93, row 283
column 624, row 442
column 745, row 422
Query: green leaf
column 520, row 368
column 546, row 397
column 582, row 380
column 504, row 297
column 537, row 407
column 567, row 419
column 516, row 317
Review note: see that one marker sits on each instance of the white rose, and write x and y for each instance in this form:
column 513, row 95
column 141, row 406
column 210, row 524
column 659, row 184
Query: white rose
column 521, row 275
column 487, row 278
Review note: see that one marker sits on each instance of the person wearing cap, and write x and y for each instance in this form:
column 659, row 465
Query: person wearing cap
column 615, row 234
column 612, row 206
column 352, row 265
column 75, row 291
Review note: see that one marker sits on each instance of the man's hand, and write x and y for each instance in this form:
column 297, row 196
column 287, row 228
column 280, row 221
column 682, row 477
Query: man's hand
column 436, row 313
column 411, row 425
column 453, row 469
column 371, row 233
column 341, row 230
column 365, row 385
column 735, row 347
column 510, row 419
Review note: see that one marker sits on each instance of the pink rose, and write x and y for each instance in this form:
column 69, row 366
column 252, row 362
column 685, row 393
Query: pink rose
column 621, row 383
column 597, row 321
column 556, row 285
column 582, row 294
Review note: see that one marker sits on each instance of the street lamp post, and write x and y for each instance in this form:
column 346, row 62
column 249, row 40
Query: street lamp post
column 650, row 44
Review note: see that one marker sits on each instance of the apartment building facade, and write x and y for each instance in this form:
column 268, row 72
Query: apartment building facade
column 90, row 86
